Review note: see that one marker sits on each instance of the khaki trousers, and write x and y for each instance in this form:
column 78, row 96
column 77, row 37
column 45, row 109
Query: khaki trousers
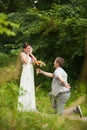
column 59, row 102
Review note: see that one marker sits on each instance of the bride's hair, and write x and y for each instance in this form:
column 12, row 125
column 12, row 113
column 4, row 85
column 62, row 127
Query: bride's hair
column 26, row 44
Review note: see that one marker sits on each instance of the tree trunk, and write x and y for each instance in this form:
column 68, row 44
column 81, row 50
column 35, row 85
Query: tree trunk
column 84, row 70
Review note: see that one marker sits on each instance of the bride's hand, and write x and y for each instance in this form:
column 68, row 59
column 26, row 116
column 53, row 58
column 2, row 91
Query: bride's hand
column 31, row 49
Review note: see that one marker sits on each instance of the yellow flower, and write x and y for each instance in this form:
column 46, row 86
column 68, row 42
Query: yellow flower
column 39, row 63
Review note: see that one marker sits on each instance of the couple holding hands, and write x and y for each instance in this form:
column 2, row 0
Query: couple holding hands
column 60, row 92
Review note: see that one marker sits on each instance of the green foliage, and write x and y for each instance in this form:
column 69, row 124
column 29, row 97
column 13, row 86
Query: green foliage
column 59, row 31
column 54, row 28
column 8, row 6
column 3, row 59
column 72, row 124
column 80, row 89
column 4, row 25
column 6, row 59
column 8, row 96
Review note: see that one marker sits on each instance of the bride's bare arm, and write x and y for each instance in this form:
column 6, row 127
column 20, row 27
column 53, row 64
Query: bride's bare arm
column 34, row 58
column 24, row 59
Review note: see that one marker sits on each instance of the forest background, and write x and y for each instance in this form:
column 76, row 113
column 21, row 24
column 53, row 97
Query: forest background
column 53, row 28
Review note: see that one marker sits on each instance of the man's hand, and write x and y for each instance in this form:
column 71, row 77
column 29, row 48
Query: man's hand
column 38, row 71
column 67, row 86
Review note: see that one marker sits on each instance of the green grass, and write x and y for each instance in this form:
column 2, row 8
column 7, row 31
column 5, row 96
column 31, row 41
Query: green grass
column 11, row 119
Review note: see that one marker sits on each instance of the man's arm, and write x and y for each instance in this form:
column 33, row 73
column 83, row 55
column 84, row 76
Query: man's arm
column 50, row 75
column 63, row 82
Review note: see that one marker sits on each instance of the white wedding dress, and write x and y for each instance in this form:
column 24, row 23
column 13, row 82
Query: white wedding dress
column 26, row 99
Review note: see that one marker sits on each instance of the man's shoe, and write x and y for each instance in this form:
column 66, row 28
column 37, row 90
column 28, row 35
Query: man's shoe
column 79, row 111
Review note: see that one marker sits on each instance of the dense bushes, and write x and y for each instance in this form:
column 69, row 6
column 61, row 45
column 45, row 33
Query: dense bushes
column 4, row 59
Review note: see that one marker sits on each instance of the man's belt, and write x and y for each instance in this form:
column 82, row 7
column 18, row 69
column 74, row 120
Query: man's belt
column 63, row 92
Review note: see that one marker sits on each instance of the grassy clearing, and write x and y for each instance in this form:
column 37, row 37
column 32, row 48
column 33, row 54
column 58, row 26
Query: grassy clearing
column 39, row 121
column 10, row 70
column 11, row 119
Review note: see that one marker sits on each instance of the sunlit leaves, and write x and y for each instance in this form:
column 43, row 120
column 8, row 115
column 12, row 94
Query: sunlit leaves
column 5, row 25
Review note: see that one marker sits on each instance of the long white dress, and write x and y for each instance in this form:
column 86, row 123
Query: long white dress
column 26, row 99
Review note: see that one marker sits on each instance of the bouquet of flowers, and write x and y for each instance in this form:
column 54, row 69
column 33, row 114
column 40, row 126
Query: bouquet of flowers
column 39, row 63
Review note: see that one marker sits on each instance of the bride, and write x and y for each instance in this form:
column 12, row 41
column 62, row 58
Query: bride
column 26, row 99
